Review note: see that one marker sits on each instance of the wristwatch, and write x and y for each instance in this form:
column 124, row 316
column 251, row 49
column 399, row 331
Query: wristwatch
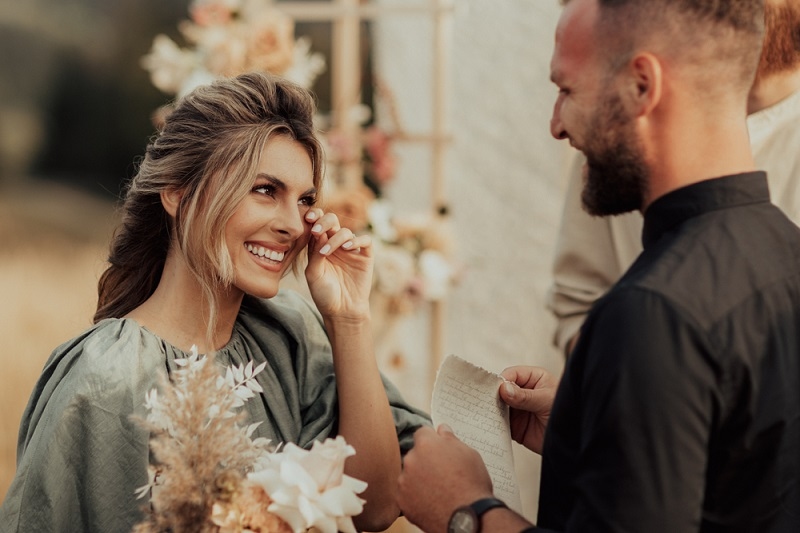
column 467, row 519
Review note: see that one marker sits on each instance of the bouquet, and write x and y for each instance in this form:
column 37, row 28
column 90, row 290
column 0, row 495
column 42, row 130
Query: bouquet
column 212, row 476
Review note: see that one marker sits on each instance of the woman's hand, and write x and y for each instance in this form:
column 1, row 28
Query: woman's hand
column 339, row 271
column 339, row 275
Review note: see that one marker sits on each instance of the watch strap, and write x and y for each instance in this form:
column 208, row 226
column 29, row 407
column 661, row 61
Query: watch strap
column 474, row 511
column 484, row 504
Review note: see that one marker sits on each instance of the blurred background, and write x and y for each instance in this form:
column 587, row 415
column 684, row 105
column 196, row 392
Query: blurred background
column 458, row 89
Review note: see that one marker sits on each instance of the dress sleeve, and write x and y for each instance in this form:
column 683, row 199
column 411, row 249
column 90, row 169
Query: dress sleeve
column 591, row 254
column 648, row 399
column 80, row 457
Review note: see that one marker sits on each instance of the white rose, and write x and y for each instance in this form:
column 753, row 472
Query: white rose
column 309, row 489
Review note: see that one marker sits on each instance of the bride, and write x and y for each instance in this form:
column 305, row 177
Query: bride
column 224, row 203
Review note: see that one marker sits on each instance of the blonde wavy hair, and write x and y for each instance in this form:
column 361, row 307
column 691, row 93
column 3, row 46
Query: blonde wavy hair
column 208, row 149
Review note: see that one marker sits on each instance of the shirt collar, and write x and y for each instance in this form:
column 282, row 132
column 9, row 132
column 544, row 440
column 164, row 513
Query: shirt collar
column 679, row 205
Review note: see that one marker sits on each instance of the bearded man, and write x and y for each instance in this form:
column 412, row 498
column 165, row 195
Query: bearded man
column 593, row 252
column 679, row 408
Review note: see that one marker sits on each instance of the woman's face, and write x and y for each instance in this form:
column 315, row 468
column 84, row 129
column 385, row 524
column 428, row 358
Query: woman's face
column 268, row 229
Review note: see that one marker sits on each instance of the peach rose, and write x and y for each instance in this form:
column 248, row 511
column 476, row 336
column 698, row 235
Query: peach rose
column 352, row 207
column 270, row 41
column 212, row 12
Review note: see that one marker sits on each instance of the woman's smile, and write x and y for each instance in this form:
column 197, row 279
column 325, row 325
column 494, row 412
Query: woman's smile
column 269, row 256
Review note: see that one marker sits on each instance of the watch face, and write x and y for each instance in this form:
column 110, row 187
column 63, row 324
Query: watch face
column 463, row 521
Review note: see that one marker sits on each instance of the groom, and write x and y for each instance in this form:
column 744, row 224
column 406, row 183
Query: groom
column 679, row 409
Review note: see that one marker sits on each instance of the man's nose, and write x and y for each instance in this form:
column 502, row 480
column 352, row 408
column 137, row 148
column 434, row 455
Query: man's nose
column 556, row 127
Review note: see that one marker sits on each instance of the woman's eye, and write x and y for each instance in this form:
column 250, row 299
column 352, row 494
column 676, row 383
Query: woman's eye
column 308, row 200
column 264, row 189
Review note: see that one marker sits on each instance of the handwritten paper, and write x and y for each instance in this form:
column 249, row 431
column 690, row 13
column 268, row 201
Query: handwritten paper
column 466, row 398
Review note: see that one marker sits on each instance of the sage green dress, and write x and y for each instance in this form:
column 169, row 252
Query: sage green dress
column 80, row 457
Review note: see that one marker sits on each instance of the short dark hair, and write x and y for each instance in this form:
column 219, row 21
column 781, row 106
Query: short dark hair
column 721, row 37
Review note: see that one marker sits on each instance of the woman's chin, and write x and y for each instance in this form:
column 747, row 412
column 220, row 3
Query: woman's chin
column 264, row 294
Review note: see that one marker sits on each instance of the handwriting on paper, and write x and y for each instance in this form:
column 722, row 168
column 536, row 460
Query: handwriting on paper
column 466, row 398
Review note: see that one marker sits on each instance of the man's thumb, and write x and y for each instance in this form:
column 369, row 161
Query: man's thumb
column 517, row 397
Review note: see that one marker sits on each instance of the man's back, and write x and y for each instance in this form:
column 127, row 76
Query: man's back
column 692, row 362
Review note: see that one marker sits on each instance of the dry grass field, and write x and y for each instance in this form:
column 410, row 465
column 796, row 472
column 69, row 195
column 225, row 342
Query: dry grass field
column 54, row 241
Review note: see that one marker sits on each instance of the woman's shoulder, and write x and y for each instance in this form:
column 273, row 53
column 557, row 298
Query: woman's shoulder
column 107, row 339
column 112, row 355
column 105, row 372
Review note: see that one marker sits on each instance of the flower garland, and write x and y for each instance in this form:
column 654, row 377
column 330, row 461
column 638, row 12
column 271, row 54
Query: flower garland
column 211, row 476
column 226, row 38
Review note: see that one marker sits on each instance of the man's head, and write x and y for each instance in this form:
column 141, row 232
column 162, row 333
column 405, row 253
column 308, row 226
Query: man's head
column 621, row 63
column 782, row 38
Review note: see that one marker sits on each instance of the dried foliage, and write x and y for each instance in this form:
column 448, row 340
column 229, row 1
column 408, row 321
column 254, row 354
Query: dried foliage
column 202, row 451
column 211, row 476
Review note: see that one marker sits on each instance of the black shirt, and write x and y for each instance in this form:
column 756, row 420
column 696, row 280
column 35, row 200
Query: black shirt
column 679, row 409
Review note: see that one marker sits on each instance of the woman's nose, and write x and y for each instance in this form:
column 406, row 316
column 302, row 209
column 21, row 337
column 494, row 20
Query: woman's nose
column 292, row 222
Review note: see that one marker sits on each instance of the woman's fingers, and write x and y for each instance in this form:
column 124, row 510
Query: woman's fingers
column 331, row 236
column 314, row 214
column 346, row 240
column 326, row 224
column 360, row 244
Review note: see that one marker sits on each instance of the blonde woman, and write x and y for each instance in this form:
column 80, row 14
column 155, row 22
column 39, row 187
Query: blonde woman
column 222, row 206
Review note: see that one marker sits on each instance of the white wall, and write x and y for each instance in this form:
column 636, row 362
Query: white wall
column 503, row 176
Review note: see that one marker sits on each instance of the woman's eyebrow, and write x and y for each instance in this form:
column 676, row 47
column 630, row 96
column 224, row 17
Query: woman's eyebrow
column 281, row 185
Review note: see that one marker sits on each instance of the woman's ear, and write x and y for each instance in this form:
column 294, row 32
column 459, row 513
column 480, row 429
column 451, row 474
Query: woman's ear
column 171, row 199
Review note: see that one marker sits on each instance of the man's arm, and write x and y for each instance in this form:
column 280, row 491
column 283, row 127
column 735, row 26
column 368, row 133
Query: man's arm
column 644, row 387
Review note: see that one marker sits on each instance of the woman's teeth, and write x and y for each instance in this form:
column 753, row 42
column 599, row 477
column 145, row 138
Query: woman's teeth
column 265, row 252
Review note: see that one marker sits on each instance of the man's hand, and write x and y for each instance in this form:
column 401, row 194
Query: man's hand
column 440, row 473
column 530, row 392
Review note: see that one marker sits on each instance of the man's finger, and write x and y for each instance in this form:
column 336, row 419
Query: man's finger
column 525, row 399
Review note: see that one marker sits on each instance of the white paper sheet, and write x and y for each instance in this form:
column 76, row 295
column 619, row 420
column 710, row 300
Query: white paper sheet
column 466, row 398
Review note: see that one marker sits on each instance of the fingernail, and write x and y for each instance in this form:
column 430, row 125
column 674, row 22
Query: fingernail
column 445, row 428
column 311, row 216
column 347, row 245
column 325, row 249
column 317, row 228
column 511, row 390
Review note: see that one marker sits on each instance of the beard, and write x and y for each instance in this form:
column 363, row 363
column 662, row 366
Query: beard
column 615, row 176
column 781, row 51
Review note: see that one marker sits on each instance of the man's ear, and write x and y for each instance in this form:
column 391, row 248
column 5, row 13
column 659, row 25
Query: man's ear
column 645, row 84
column 171, row 199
